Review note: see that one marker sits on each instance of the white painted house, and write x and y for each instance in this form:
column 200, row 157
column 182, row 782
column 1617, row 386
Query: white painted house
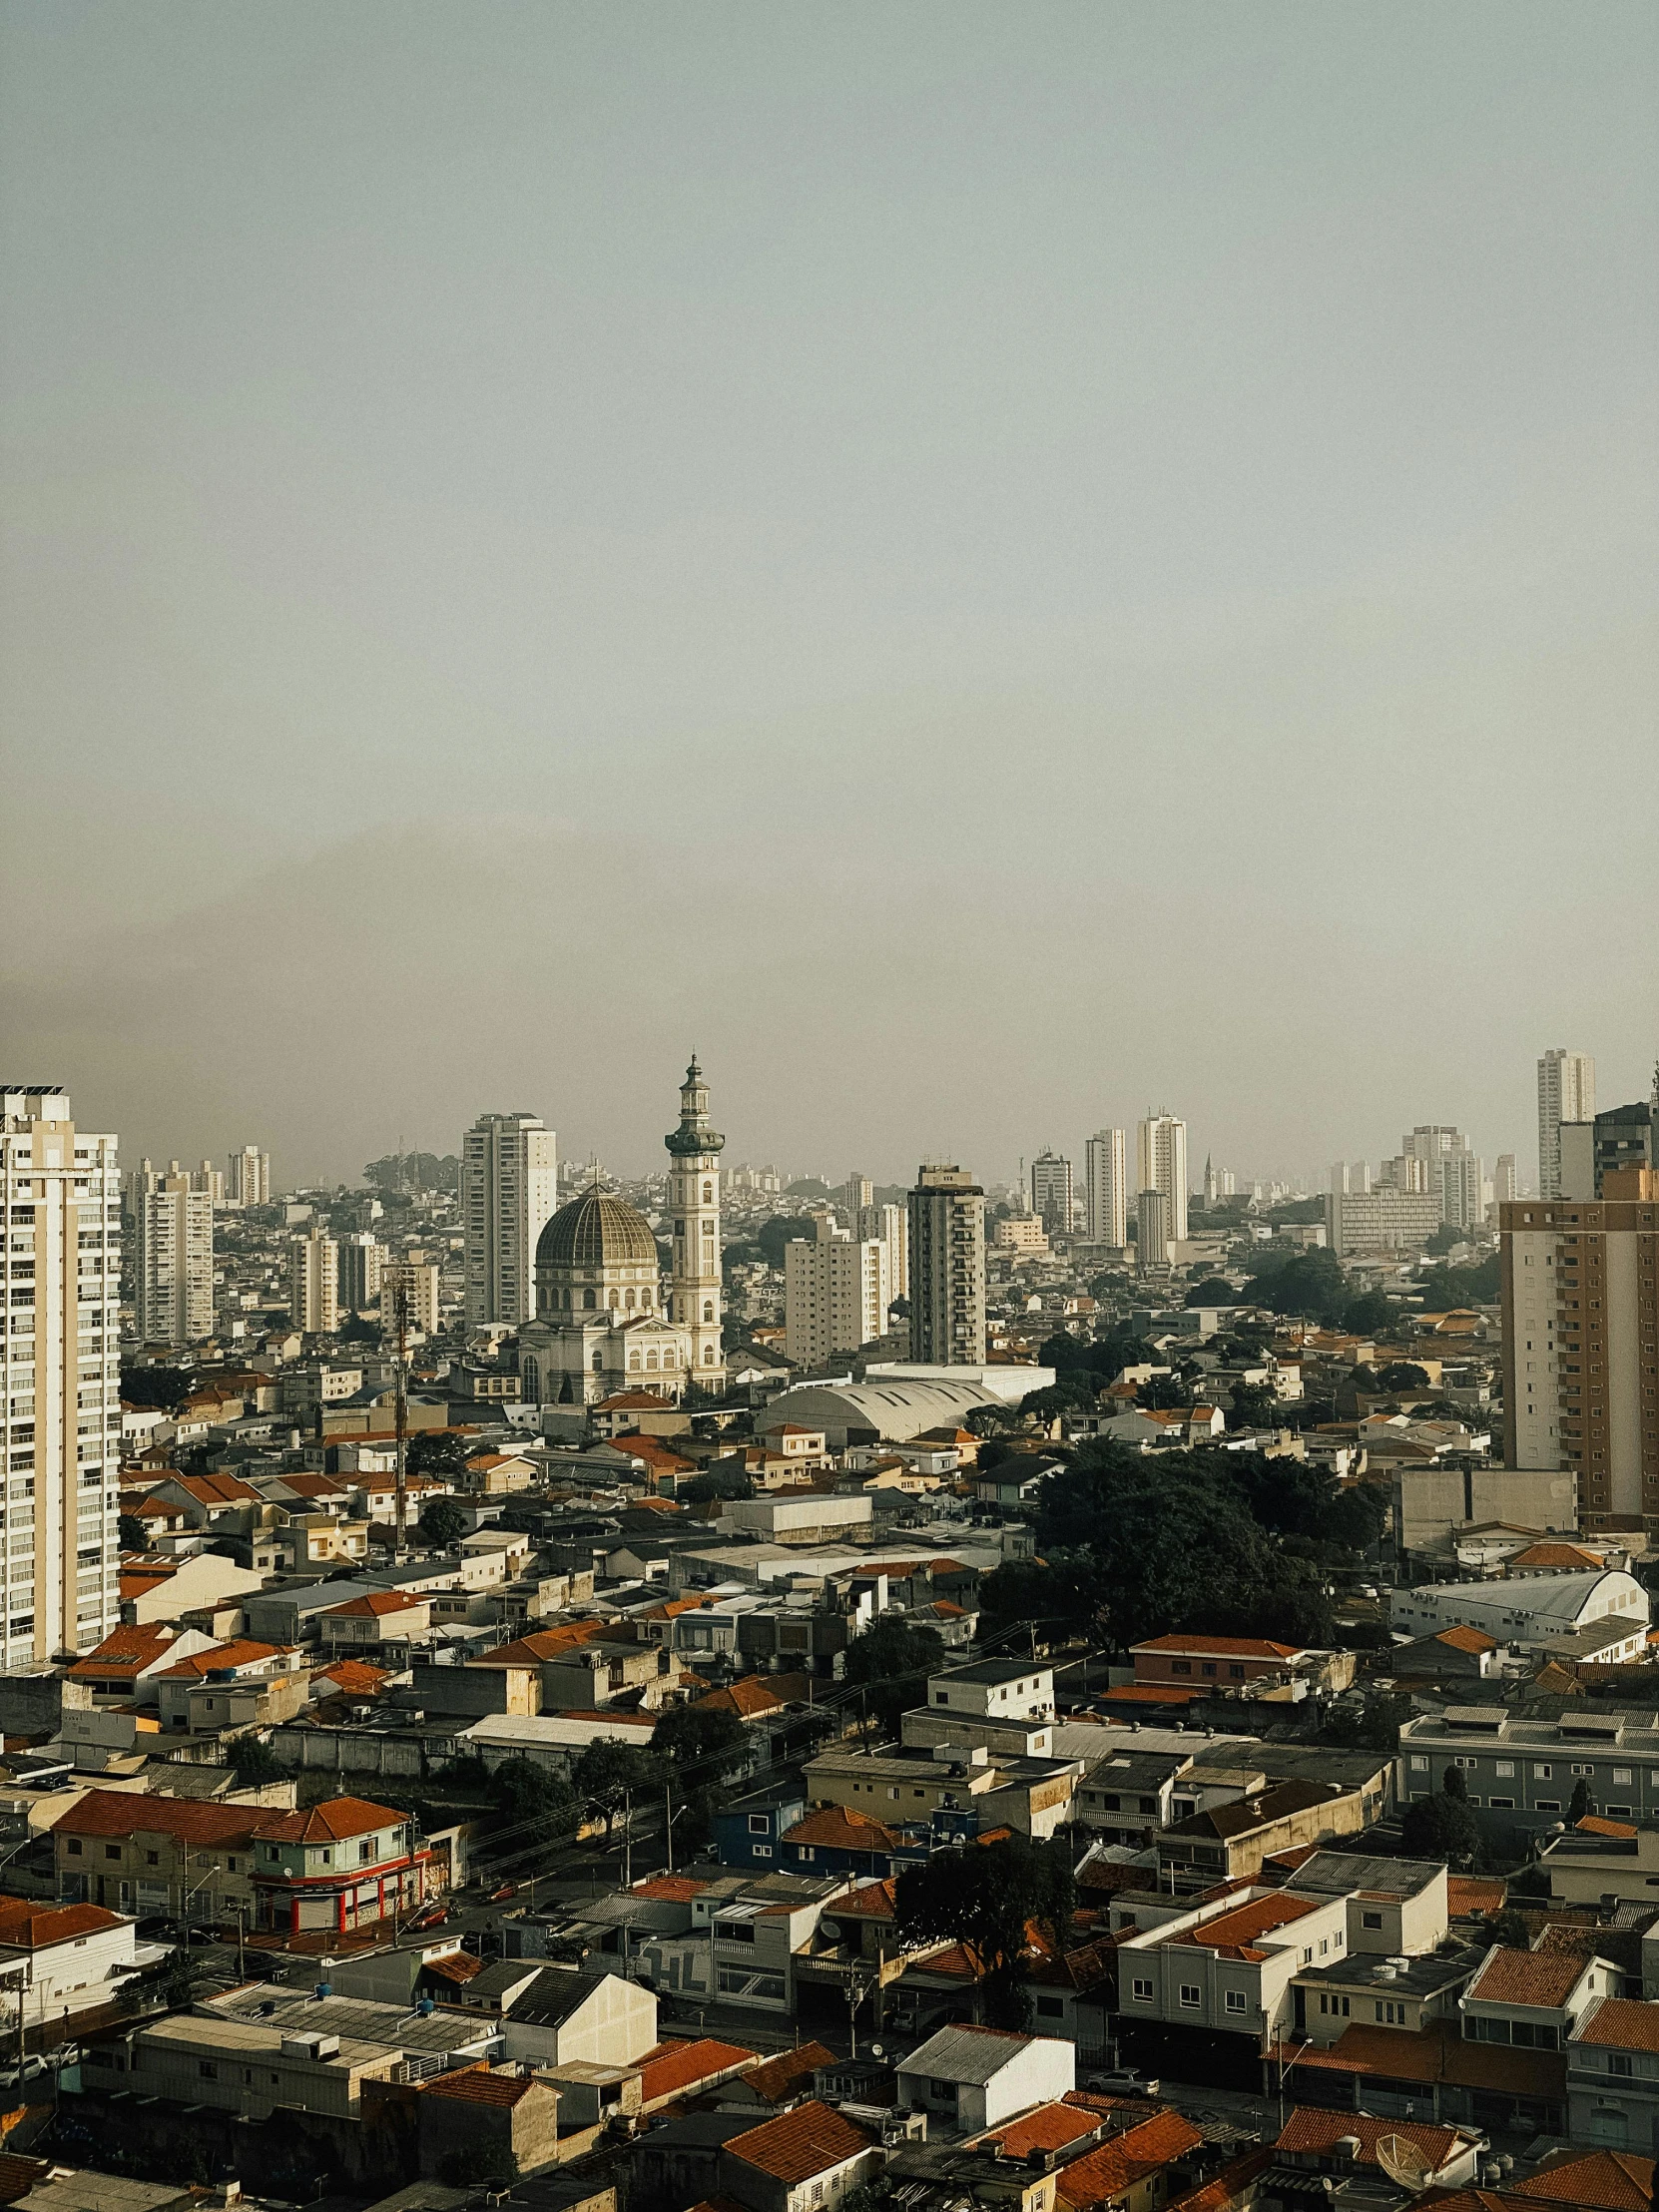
column 972, row 2078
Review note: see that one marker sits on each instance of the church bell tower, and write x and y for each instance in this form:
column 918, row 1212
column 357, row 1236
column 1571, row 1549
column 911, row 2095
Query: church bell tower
column 694, row 1151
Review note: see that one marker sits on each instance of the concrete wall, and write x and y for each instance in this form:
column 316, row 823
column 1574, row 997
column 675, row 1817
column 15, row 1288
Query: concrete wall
column 349, row 1751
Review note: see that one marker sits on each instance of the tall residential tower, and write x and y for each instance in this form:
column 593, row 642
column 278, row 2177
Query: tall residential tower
column 948, row 1269
column 1566, row 1092
column 1106, row 1187
column 1163, row 1166
column 60, row 1338
column 509, row 1193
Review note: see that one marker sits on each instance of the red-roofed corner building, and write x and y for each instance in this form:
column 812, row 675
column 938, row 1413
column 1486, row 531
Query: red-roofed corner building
column 806, row 2158
column 1613, row 2074
column 61, row 1959
column 344, row 1864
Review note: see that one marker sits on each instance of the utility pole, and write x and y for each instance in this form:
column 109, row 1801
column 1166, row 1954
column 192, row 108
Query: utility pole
column 400, row 1316
column 627, row 1836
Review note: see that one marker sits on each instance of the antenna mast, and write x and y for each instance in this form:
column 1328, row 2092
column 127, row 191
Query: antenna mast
column 400, row 1318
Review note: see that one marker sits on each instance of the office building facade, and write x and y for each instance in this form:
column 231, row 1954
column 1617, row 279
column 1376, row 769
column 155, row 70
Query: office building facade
column 1566, row 1092
column 509, row 1193
column 1152, row 1212
column 948, row 1269
column 1161, row 1166
column 1580, row 1292
column 60, row 1342
column 361, row 1258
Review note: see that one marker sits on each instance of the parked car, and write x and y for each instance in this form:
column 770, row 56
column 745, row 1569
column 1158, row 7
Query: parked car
column 31, row 2068
column 434, row 1915
column 1123, row 2081
column 507, row 1890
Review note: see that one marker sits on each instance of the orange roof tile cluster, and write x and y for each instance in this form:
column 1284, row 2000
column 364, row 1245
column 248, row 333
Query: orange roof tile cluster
column 788, row 2073
column 1593, row 1825
column 376, row 1604
column 1471, row 1640
column 1468, row 1893
column 1243, row 1924
column 673, row 2068
column 217, row 1489
column 669, row 1889
column 120, row 1813
column 354, row 1677
column 1220, row 1647
column 1309, row 2130
column 747, row 1697
column 479, row 2086
column 1045, row 2127
column 1536, row 1978
column 25, row 1926
column 544, row 1644
column 1118, row 2164
column 1597, row 2181
column 1234, row 2186
column 798, row 2145
column 872, row 1901
column 1554, row 1555
column 336, row 1821
column 834, row 1827
column 242, row 1652
column 1621, row 2023
column 127, row 1651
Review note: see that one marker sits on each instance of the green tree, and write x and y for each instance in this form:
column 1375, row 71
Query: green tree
column 167, row 1388
column 1212, row 1292
column 986, row 1897
column 608, row 1770
column 1453, row 1783
column 442, row 1522
column 1511, row 1930
column 1441, row 1826
column 1056, row 1592
column 523, row 1791
column 722, row 1479
column 1163, row 1394
column 781, row 1230
column 1578, row 1804
column 130, row 1534
column 1402, row 1375
column 706, row 1742
column 989, row 1421
column 254, row 1763
column 1255, row 1405
column 438, row 1451
column 889, row 1665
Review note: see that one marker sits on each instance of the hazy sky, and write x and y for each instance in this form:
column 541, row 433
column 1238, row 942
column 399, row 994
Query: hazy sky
column 988, row 567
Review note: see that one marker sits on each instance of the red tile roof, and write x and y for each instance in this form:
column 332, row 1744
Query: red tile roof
column 127, row 1651
column 354, row 1677
column 872, row 1901
column 1537, row 1977
column 1466, row 1894
column 1046, row 2127
column 1621, row 2023
column 798, row 2145
column 378, row 1603
column 544, row 1644
column 1593, row 1825
column 1220, row 1647
column 788, row 2073
column 669, row 1889
column 29, row 1926
column 836, row 1827
column 747, row 1697
column 120, row 1812
column 1473, row 1640
column 1243, row 1924
column 335, row 1821
column 1310, row 2130
column 242, row 1652
column 479, row 2086
column 1596, row 2181
column 1116, row 2165
column 673, row 2068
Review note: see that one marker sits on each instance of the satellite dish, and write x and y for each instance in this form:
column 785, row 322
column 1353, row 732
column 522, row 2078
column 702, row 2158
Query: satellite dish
column 875, row 2052
column 1402, row 2162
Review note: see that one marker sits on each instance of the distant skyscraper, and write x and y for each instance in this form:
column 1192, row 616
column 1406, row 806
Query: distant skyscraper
column 1462, row 1182
column 1163, row 1166
column 1505, row 1184
column 173, row 1260
column 60, row 1337
column 509, row 1192
column 1106, row 1187
column 891, row 1224
column 247, row 1177
column 314, row 1283
column 1152, row 1212
column 694, row 1151
column 1566, row 1092
column 857, row 1194
column 1051, row 1192
column 417, row 1282
column 948, row 1269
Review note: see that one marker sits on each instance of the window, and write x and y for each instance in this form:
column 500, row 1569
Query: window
column 1235, row 1674
column 1505, row 1770
column 1233, row 2001
column 947, row 2089
column 1501, row 1804
column 1615, row 1812
column 1542, row 1774
column 1390, row 2014
column 208, row 2068
column 1621, row 1775
column 1619, row 2062
column 1191, row 1995
column 1584, row 1770
column 1180, row 1666
column 757, row 1824
column 112, row 1851
column 1051, row 2009
column 74, row 1847
column 1470, row 1764
column 1419, row 1762
column 1141, row 1991
column 1547, row 1805
column 1371, row 1919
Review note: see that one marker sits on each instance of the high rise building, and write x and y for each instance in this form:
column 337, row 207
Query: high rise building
column 509, row 1192
column 857, row 1194
column 1106, row 1188
column 836, row 1294
column 209, row 1181
column 173, row 1260
column 60, row 1342
column 1051, row 1192
column 1387, row 1218
column 1461, row 1183
column 1163, row 1166
column 1580, row 1291
column 948, row 1269
column 694, row 1151
column 314, row 1283
column 1566, row 1092
column 247, row 1177
column 1351, row 1175
column 893, row 1226
column 416, row 1281
column 1152, row 1212
column 1505, row 1183
column 361, row 1259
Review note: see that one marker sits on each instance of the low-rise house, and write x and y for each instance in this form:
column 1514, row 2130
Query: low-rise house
column 1533, row 2000
column 971, row 2079
column 376, row 1620
column 994, row 1689
column 182, row 1856
column 229, row 1686
column 1248, row 1665
column 130, row 1659
column 1228, row 1843
column 60, row 1960
column 1128, row 1797
column 804, row 2159
column 776, row 2083
column 1343, row 2148
column 344, row 1865
column 502, row 2120
column 1142, row 2165
column 748, row 1833
column 573, row 2017
column 1599, row 1862
column 1613, row 2076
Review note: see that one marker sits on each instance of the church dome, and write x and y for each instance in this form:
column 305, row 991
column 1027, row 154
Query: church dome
column 596, row 1231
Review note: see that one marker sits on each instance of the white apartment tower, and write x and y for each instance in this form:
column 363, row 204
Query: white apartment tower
column 836, row 1294
column 416, row 1282
column 247, row 1177
column 1163, row 1166
column 893, row 1226
column 173, row 1260
column 1106, row 1187
column 60, row 1340
column 1152, row 1212
column 948, row 1269
column 1566, row 1092
column 1051, row 1192
column 314, row 1283
column 509, row 1192
column 694, row 1151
